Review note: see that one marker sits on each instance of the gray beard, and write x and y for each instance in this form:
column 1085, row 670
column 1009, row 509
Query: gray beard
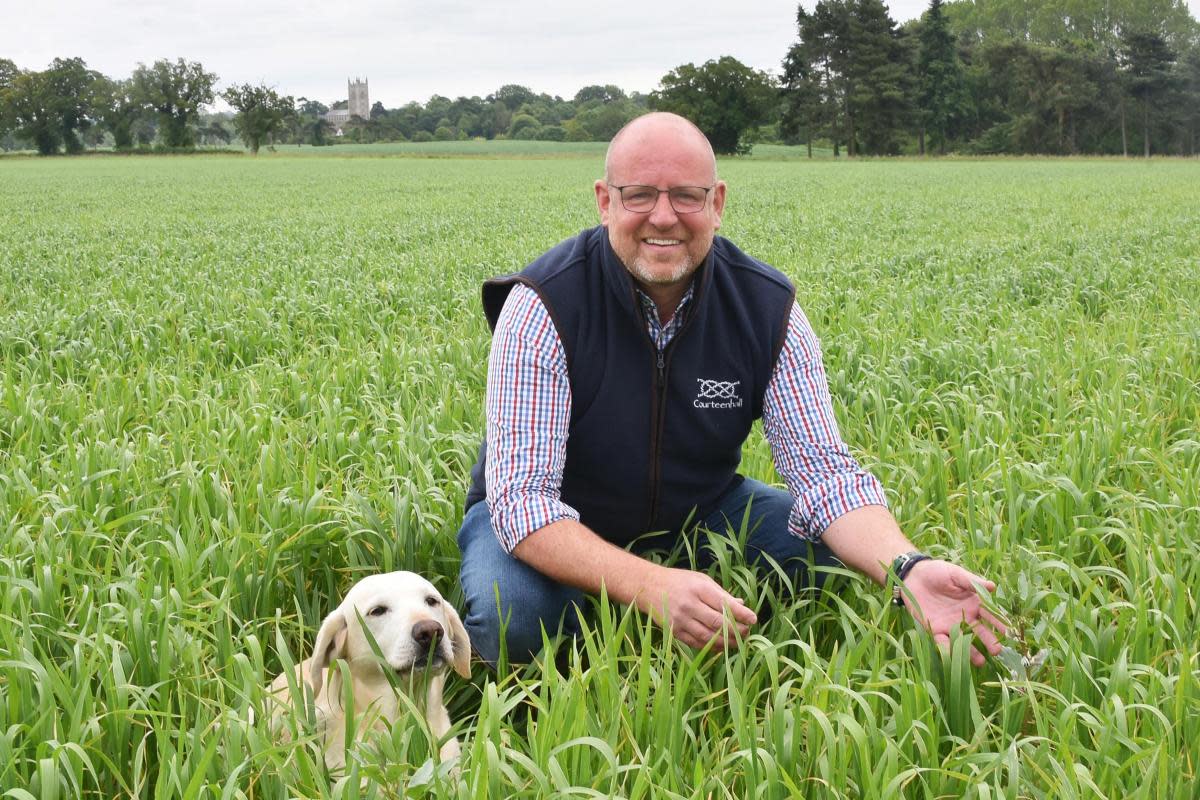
column 644, row 275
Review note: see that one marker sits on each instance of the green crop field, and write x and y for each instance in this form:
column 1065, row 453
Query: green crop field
column 230, row 386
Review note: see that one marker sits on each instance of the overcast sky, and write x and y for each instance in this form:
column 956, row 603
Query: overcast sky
column 410, row 50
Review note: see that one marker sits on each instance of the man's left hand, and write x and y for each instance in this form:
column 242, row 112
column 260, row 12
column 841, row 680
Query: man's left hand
column 945, row 597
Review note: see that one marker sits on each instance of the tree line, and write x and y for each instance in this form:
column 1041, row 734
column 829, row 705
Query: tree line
column 1001, row 76
column 513, row 111
column 69, row 106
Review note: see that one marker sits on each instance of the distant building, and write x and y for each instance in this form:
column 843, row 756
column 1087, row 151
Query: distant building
column 359, row 106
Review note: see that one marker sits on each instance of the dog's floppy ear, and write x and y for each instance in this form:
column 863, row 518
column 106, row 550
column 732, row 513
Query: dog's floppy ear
column 460, row 643
column 330, row 645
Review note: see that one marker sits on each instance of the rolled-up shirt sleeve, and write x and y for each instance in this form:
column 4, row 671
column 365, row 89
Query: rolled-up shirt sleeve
column 528, row 415
column 803, row 435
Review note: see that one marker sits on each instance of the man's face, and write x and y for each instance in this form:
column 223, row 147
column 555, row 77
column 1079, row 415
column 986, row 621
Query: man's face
column 660, row 247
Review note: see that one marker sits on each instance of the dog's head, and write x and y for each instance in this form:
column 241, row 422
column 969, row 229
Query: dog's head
column 414, row 627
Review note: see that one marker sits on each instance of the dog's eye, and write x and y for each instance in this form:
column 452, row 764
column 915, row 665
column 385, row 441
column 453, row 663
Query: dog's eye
column 377, row 611
column 432, row 601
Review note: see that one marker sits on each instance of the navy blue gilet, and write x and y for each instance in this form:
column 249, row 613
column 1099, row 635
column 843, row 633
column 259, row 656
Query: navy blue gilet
column 652, row 436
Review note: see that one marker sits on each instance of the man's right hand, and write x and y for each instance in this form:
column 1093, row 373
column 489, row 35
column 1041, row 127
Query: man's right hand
column 696, row 609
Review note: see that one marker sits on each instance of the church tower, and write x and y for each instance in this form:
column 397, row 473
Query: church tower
column 360, row 103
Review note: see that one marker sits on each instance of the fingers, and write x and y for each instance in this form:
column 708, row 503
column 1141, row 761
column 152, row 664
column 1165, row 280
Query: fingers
column 727, row 639
column 943, row 642
column 977, row 659
column 986, row 636
column 722, row 637
column 741, row 613
column 719, row 623
column 727, row 630
column 986, row 626
column 721, row 619
column 968, row 581
column 982, row 581
column 720, row 600
column 998, row 625
column 733, row 623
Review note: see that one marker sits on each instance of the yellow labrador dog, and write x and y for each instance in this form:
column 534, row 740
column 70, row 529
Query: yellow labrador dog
column 419, row 635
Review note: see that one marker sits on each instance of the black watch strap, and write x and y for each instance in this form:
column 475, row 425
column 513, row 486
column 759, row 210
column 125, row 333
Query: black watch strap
column 901, row 566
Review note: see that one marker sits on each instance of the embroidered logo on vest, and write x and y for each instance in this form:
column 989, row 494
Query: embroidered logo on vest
column 717, row 394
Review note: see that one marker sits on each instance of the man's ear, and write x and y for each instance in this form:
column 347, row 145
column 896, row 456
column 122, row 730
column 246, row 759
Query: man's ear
column 330, row 645
column 718, row 202
column 603, row 201
column 460, row 643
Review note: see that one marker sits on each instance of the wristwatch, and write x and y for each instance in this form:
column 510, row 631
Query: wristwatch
column 901, row 566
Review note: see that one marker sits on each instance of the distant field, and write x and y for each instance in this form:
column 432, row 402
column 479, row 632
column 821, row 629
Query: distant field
column 517, row 149
column 502, row 148
column 229, row 386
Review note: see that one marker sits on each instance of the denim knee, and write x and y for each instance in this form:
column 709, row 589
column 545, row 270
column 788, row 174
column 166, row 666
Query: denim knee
column 769, row 536
column 505, row 595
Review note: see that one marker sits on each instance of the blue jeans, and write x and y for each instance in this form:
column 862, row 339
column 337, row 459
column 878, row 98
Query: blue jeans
column 528, row 600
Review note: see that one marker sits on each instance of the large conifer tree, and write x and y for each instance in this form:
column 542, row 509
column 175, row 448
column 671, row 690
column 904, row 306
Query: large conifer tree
column 942, row 96
column 1148, row 62
column 883, row 81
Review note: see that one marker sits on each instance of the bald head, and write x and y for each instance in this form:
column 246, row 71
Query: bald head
column 658, row 131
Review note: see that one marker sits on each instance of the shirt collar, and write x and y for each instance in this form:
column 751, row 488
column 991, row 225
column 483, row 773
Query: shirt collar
column 650, row 310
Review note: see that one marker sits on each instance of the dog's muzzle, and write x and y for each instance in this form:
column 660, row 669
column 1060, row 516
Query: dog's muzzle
column 428, row 634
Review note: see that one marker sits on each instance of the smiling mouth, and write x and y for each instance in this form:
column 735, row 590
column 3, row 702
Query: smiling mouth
column 663, row 242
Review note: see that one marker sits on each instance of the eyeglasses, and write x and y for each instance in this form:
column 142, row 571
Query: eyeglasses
column 684, row 199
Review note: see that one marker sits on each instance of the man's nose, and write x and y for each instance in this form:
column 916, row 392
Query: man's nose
column 663, row 215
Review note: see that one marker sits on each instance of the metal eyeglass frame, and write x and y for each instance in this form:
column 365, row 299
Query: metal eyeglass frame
column 657, row 192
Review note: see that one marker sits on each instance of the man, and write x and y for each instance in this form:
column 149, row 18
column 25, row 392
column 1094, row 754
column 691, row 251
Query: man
column 626, row 368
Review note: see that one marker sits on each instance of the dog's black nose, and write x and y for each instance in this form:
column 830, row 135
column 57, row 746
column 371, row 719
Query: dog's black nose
column 426, row 632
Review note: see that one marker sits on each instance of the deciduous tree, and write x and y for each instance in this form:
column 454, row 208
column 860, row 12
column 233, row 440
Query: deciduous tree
column 1051, row 22
column 600, row 123
column 524, row 126
column 30, row 102
column 175, row 91
column 73, row 90
column 308, row 107
column 513, row 96
column 317, row 129
column 120, row 111
column 260, row 112
column 8, row 74
column 724, row 98
column 599, row 94
column 50, row 108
